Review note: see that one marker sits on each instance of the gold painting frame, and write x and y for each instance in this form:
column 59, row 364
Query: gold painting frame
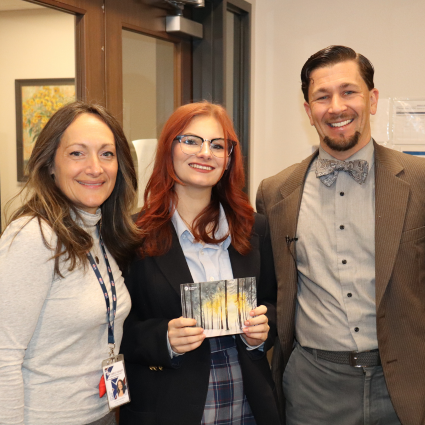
column 36, row 101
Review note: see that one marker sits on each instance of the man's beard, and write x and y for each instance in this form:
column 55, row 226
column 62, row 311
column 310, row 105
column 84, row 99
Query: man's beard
column 343, row 144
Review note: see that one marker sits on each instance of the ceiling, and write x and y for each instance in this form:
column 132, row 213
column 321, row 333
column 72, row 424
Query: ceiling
column 17, row 5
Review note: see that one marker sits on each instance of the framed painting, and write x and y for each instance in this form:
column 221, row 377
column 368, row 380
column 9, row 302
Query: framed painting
column 36, row 101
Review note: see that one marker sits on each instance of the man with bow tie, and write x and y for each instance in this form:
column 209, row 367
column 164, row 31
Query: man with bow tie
column 348, row 235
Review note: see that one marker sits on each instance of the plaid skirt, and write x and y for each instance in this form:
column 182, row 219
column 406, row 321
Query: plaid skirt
column 226, row 401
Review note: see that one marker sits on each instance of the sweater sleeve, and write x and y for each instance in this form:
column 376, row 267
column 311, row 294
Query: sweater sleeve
column 26, row 272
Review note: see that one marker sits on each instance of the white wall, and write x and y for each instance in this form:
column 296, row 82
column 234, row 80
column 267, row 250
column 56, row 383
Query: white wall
column 33, row 44
column 391, row 33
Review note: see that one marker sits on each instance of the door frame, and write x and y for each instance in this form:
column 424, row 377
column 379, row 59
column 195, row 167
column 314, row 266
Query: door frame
column 209, row 65
column 99, row 25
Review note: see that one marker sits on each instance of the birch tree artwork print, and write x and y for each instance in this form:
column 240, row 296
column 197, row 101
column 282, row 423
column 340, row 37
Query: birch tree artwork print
column 220, row 307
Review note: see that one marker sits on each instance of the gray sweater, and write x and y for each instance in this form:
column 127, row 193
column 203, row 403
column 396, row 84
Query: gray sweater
column 53, row 331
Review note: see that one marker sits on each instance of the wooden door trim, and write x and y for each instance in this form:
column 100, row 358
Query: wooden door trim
column 98, row 44
column 89, row 46
column 150, row 22
column 64, row 7
column 145, row 31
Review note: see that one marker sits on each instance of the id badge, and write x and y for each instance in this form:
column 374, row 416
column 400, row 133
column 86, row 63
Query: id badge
column 116, row 381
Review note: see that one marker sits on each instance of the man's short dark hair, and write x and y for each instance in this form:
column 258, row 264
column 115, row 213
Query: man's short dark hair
column 330, row 56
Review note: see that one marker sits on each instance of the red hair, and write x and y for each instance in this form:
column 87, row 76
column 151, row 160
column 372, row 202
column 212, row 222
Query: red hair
column 161, row 200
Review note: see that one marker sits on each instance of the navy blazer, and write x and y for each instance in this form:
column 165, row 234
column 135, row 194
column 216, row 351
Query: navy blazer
column 166, row 393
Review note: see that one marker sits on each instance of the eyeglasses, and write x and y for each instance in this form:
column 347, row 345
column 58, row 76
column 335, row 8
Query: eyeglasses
column 191, row 145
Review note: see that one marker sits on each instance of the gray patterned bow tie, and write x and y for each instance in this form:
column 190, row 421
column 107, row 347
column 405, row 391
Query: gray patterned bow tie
column 327, row 170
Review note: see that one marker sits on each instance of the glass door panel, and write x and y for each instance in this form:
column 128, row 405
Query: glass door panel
column 148, row 96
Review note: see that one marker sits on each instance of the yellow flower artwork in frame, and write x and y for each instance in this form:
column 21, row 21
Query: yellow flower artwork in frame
column 36, row 101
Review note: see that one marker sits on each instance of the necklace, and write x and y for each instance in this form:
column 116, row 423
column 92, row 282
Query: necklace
column 191, row 230
column 187, row 224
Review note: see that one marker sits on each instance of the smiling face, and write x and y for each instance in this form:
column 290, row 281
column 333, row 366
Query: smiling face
column 202, row 170
column 340, row 105
column 85, row 165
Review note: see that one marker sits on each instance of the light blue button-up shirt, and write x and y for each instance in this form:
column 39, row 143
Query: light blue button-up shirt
column 206, row 262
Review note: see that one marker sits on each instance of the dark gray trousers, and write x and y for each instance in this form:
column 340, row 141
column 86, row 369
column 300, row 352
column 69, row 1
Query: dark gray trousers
column 319, row 392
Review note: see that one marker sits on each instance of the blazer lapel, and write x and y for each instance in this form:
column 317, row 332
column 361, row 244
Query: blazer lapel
column 283, row 216
column 173, row 264
column 242, row 266
column 391, row 197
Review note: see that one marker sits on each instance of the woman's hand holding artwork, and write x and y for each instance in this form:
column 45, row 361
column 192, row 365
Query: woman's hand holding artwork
column 256, row 329
column 183, row 336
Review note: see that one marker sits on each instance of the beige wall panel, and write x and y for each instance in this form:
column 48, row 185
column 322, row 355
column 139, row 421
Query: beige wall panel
column 388, row 32
column 33, row 44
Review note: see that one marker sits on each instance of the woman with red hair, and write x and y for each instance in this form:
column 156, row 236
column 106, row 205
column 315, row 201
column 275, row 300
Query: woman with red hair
column 198, row 226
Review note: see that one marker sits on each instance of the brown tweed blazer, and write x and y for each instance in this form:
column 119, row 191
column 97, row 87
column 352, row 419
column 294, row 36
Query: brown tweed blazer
column 399, row 263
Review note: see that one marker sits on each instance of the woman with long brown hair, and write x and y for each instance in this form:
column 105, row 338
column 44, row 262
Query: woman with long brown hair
column 59, row 318
column 198, row 226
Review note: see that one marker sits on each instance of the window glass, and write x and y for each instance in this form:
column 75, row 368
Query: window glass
column 148, row 95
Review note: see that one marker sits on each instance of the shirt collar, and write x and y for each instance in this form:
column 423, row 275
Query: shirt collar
column 223, row 228
column 366, row 153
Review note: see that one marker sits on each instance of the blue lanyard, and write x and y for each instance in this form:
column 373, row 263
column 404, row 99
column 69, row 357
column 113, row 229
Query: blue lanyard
column 111, row 315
